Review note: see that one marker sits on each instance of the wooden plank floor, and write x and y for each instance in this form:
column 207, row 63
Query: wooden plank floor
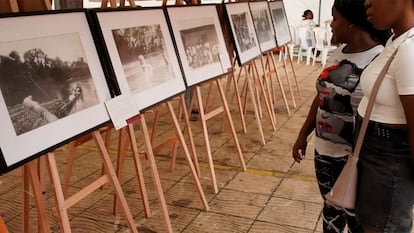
column 273, row 195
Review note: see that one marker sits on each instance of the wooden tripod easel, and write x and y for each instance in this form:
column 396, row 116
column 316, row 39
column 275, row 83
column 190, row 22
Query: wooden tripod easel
column 285, row 67
column 63, row 203
column 251, row 79
column 271, row 68
column 110, row 176
column 204, row 116
column 181, row 138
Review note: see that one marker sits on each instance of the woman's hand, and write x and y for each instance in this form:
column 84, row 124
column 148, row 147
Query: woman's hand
column 299, row 149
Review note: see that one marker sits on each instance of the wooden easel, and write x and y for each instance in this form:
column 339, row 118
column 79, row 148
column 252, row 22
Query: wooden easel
column 266, row 89
column 110, row 176
column 285, row 67
column 127, row 134
column 251, row 79
column 232, row 79
column 153, row 166
column 181, row 115
column 31, row 179
column 271, row 68
column 63, row 203
column 204, row 116
column 180, row 137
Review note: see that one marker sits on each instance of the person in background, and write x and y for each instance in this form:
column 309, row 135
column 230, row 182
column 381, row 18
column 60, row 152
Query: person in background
column 309, row 24
column 332, row 112
column 307, row 20
column 385, row 195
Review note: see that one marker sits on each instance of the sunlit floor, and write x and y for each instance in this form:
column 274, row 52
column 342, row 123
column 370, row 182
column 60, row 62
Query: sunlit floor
column 273, row 195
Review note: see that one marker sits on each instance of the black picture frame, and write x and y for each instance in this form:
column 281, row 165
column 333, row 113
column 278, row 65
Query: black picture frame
column 263, row 25
column 53, row 87
column 200, row 42
column 142, row 53
column 280, row 23
column 243, row 32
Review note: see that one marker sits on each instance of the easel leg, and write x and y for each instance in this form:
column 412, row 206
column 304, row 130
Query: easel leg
column 58, row 194
column 256, row 111
column 292, row 95
column 190, row 136
column 187, row 156
column 37, row 193
column 68, row 169
column 154, row 171
column 233, row 130
column 268, row 91
column 206, row 139
column 25, row 203
column 232, row 79
column 138, row 170
column 265, row 96
column 294, row 76
column 122, row 144
column 112, row 176
column 271, row 60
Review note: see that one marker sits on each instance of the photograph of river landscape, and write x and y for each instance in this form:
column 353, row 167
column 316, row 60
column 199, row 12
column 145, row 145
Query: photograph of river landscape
column 44, row 79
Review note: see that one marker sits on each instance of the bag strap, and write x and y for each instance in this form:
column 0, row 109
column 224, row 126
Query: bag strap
column 370, row 105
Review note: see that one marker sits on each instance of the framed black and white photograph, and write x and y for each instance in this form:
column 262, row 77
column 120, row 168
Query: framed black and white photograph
column 263, row 25
column 243, row 31
column 280, row 23
column 200, row 42
column 52, row 84
column 142, row 54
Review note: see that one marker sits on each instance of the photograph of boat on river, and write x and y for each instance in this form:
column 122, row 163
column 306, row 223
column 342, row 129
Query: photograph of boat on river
column 43, row 81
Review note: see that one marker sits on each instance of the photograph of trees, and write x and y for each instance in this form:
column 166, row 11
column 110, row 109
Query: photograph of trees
column 44, row 79
column 143, row 54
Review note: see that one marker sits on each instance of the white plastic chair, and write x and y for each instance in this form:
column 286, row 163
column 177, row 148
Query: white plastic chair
column 306, row 43
column 322, row 44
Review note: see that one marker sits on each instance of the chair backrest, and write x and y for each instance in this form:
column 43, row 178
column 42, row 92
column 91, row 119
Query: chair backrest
column 320, row 37
column 306, row 37
column 329, row 36
column 293, row 33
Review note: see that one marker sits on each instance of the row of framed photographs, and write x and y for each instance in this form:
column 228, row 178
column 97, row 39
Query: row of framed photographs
column 58, row 70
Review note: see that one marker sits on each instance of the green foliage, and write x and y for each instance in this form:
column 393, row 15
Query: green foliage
column 38, row 75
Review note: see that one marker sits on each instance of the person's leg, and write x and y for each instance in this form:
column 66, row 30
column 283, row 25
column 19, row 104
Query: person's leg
column 354, row 226
column 326, row 168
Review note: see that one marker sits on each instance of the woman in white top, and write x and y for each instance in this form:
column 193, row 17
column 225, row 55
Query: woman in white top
column 385, row 195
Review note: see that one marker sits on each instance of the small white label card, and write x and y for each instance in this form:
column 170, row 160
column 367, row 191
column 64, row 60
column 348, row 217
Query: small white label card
column 122, row 108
